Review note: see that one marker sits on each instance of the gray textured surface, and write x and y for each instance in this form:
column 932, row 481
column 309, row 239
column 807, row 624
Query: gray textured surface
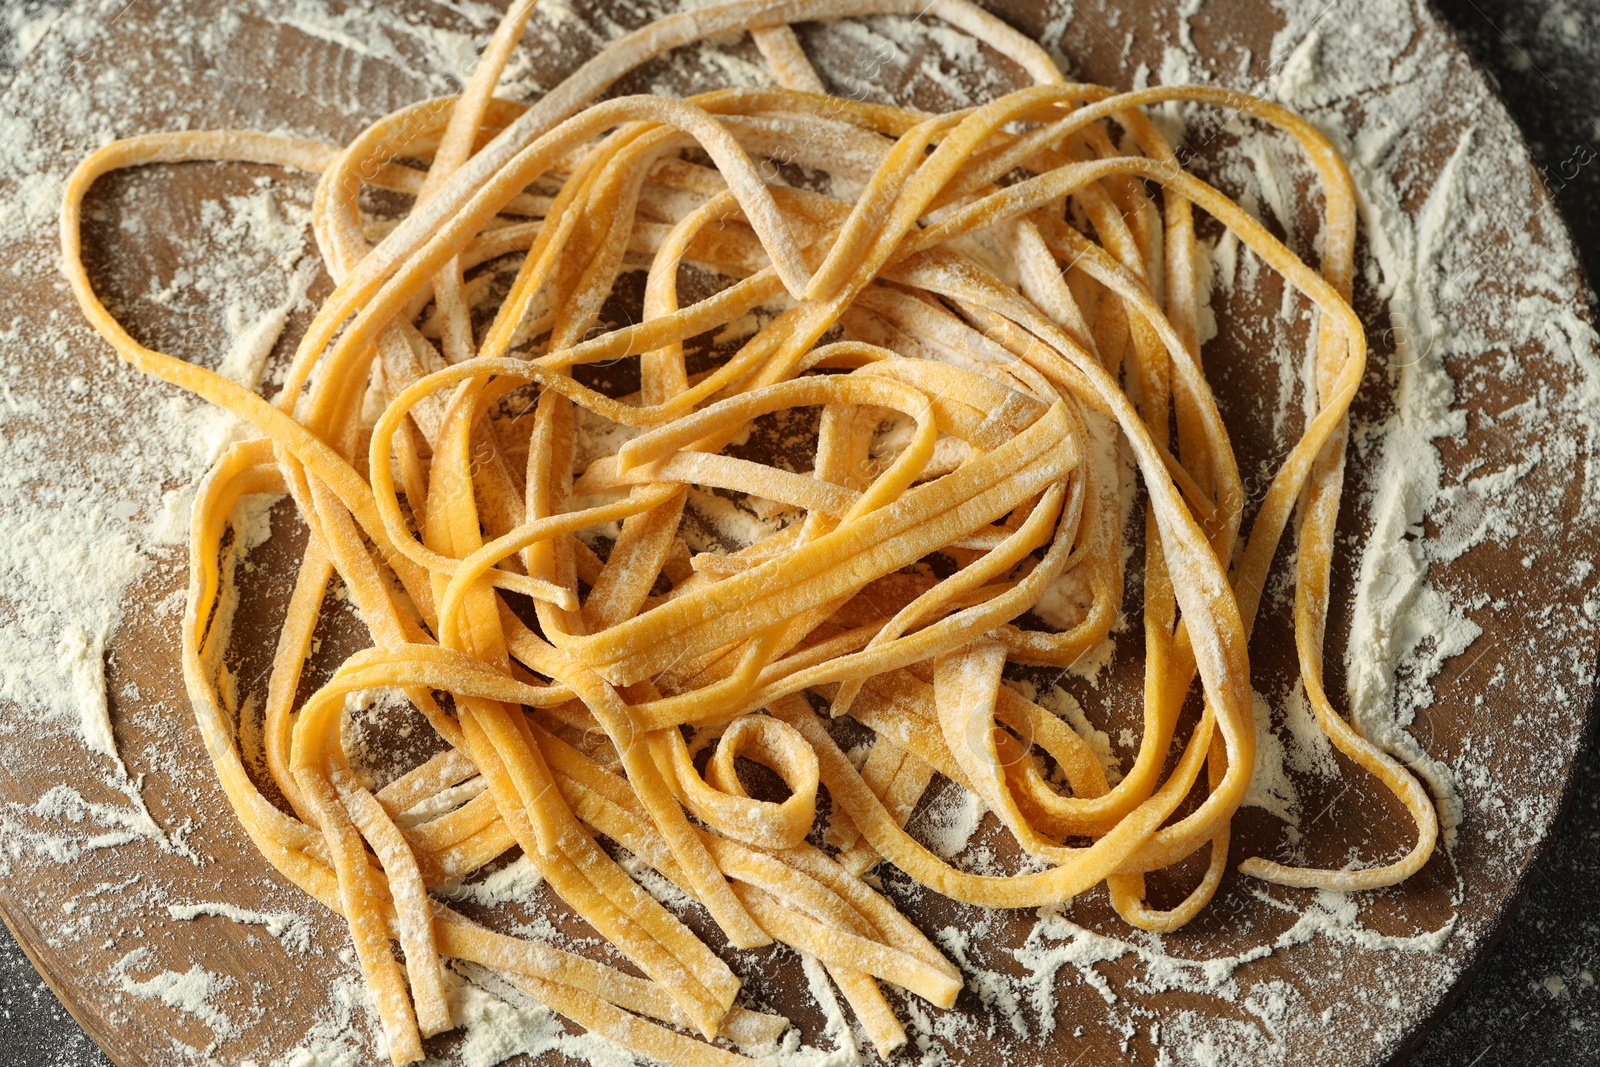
column 1536, row 1000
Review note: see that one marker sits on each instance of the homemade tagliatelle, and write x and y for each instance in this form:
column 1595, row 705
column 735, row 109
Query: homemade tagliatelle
column 599, row 678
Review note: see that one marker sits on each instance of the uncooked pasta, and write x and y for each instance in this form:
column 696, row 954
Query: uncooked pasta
column 604, row 688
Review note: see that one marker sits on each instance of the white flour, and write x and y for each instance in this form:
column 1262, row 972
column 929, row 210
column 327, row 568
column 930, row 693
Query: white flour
column 517, row 880
column 286, row 926
column 81, row 535
column 190, row 992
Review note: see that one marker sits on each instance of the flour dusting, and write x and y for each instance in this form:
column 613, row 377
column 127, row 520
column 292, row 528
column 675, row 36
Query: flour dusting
column 92, row 536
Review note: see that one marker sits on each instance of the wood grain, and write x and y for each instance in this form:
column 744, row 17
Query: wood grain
column 101, row 924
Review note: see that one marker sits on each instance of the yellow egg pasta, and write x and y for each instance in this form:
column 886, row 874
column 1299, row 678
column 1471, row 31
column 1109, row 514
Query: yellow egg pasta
column 604, row 687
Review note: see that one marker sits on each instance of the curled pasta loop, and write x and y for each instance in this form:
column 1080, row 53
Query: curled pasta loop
column 720, row 798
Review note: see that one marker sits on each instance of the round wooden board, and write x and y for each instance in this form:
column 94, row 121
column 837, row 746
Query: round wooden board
column 119, row 919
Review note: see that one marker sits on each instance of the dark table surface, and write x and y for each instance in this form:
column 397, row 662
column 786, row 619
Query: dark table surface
column 1536, row 1001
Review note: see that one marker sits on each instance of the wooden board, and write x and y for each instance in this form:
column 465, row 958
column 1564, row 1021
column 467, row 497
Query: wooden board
column 107, row 925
